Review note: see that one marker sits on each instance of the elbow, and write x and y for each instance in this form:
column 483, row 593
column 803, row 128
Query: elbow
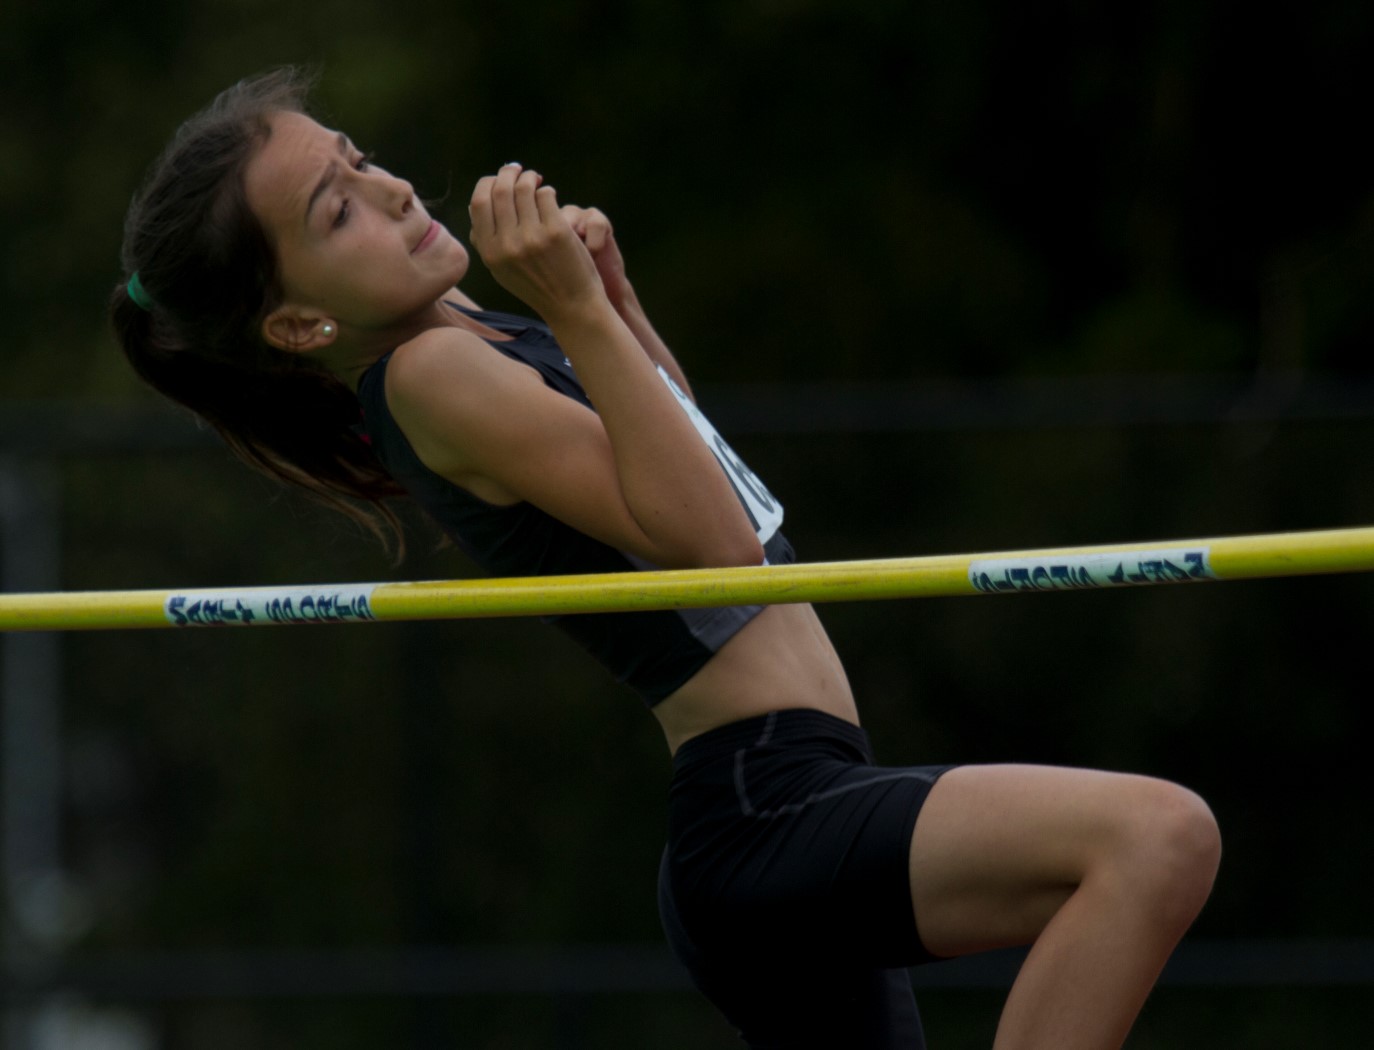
column 706, row 542
column 703, row 552
column 750, row 552
column 743, row 551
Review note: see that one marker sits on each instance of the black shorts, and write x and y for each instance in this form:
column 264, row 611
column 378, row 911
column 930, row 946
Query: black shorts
column 785, row 887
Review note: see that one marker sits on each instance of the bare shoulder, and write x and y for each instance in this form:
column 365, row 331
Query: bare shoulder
column 438, row 356
column 446, row 368
column 448, row 390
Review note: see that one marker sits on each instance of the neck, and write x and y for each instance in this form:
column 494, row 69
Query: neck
column 356, row 350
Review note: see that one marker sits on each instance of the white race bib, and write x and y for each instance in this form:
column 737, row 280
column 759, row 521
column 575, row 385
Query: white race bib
column 764, row 511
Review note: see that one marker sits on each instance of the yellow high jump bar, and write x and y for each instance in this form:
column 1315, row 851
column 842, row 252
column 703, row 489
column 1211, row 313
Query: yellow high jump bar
column 1008, row 572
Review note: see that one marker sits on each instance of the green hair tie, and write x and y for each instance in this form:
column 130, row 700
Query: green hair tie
column 137, row 294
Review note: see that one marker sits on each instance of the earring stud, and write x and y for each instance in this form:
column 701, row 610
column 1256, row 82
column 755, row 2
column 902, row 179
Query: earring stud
column 327, row 330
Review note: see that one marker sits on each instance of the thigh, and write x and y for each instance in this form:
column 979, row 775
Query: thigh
column 789, row 841
column 998, row 849
column 794, row 1000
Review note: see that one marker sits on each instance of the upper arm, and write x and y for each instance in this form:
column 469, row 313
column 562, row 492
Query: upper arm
column 490, row 424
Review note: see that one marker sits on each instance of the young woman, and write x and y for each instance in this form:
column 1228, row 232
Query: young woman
column 303, row 301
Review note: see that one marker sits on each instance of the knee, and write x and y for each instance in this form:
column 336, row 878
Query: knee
column 1174, row 849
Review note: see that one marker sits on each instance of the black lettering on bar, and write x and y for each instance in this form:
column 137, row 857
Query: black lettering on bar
column 300, row 608
column 1002, row 575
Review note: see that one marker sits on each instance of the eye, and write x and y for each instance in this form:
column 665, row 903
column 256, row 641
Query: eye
column 362, row 165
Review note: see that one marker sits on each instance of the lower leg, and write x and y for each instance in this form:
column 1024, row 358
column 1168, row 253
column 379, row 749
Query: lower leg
column 1086, row 976
column 1102, row 873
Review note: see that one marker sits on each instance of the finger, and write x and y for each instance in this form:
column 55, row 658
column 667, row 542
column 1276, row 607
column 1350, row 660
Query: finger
column 573, row 216
column 480, row 208
column 526, row 209
column 503, row 197
column 598, row 229
column 547, row 200
column 598, row 233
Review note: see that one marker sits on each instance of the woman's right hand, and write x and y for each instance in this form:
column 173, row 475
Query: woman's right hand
column 528, row 244
column 634, row 473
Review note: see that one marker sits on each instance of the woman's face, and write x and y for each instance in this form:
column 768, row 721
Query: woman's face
column 351, row 240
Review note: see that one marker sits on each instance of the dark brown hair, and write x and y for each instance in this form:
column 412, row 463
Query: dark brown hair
column 209, row 276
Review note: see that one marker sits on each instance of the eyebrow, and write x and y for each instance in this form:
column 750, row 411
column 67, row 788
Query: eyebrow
column 326, row 178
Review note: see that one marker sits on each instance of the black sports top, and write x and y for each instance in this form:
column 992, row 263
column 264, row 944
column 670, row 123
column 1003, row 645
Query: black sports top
column 652, row 652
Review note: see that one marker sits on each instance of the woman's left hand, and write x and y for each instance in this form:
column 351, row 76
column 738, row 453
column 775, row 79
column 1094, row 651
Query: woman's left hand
column 596, row 232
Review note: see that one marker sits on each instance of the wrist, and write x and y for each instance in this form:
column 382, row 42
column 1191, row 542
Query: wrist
column 591, row 313
column 622, row 297
column 592, row 308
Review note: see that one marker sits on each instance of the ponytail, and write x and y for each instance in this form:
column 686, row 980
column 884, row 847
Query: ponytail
column 202, row 276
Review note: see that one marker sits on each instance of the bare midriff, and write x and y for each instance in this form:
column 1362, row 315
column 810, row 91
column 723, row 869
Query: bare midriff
column 781, row 659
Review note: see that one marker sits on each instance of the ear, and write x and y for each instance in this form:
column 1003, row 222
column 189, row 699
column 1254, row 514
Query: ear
column 296, row 331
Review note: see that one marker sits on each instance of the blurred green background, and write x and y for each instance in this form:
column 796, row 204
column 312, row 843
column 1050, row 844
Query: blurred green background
column 1167, row 202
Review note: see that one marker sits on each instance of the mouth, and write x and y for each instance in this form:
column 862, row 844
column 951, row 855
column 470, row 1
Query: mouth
column 428, row 238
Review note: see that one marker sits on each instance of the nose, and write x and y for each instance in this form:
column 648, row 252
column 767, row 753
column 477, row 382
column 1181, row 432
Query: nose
column 402, row 195
column 395, row 194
